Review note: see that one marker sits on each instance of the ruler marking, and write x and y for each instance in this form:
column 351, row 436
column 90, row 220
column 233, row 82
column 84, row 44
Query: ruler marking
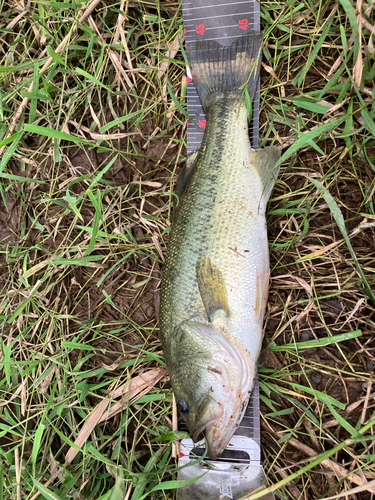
column 216, row 38
column 219, row 17
column 221, row 27
column 216, row 6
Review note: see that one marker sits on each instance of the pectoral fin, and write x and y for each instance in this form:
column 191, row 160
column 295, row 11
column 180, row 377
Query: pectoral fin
column 211, row 287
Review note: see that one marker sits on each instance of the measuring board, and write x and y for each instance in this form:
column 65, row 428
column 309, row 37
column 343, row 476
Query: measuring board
column 223, row 22
column 238, row 471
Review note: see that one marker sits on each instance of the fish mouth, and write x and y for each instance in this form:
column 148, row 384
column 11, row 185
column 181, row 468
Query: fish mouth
column 214, row 445
column 217, row 434
column 215, row 424
column 217, row 441
column 198, row 434
column 209, row 411
column 218, row 422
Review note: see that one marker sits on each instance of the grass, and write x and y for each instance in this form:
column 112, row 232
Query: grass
column 92, row 135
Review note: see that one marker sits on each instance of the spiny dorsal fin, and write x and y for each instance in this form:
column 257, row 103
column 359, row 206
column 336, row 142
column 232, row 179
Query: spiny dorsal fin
column 211, row 287
column 264, row 161
column 185, row 173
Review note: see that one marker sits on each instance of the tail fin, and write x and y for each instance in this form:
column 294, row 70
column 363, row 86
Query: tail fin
column 217, row 69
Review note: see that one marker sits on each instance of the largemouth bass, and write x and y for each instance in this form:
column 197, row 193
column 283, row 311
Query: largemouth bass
column 215, row 279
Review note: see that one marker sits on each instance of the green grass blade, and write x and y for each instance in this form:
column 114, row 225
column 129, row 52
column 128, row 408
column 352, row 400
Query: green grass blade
column 79, row 261
column 311, row 344
column 310, row 105
column 304, row 139
column 20, row 178
column 300, row 78
column 174, row 484
column 36, row 444
column 47, row 494
column 103, row 172
column 337, row 215
column 350, row 12
column 11, row 138
column 121, row 119
column 102, row 279
column 55, row 56
column 92, row 79
column 10, row 150
column 56, row 134
column 34, row 101
column 97, row 218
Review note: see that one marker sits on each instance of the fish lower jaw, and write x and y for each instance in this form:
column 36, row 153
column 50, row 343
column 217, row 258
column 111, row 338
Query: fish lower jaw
column 218, row 432
column 199, row 433
column 217, row 440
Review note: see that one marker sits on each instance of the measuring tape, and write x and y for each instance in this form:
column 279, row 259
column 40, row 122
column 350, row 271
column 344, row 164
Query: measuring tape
column 238, row 471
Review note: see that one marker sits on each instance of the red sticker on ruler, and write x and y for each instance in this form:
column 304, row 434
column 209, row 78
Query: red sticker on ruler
column 200, row 28
column 202, row 123
column 243, row 24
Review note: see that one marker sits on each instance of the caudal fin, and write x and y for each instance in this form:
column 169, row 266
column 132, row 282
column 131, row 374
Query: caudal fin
column 223, row 70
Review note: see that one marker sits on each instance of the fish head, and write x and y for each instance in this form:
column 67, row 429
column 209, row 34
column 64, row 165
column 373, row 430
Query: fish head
column 212, row 381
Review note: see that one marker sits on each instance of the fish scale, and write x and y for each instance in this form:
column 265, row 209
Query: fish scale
column 210, row 223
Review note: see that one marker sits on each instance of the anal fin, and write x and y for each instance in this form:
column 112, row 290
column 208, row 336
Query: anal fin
column 211, row 287
column 261, row 295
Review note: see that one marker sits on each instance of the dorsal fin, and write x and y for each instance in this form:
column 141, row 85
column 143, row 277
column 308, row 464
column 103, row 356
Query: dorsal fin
column 211, row 287
column 185, row 174
column 264, row 161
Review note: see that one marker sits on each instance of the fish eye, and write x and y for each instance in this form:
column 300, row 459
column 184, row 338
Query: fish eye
column 183, row 406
